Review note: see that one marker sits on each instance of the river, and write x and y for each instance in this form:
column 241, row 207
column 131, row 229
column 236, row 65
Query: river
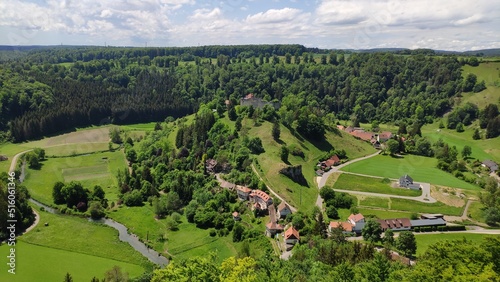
column 124, row 236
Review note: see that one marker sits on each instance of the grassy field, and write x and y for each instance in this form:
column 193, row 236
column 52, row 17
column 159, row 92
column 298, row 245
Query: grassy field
column 482, row 149
column 426, row 240
column 420, row 207
column 421, row 169
column 385, row 214
column 34, row 261
column 475, row 211
column 377, row 202
column 90, row 170
column 270, row 163
column 77, row 149
column 489, row 72
column 368, row 184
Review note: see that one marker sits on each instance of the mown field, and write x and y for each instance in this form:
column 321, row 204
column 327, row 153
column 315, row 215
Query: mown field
column 369, row 184
column 426, row 240
column 421, row 169
column 35, row 261
column 420, row 207
column 75, row 245
column 269, row 163
column 93, row 169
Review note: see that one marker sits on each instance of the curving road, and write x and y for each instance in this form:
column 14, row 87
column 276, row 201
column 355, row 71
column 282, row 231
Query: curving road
column 14, row 160
column 426, row 187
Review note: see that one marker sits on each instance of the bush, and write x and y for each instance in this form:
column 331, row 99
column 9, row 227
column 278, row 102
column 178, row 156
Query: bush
column 133, row 198
column 212, row 232
column 416, row 229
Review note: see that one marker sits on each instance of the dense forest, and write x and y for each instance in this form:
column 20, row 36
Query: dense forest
column 54, row 89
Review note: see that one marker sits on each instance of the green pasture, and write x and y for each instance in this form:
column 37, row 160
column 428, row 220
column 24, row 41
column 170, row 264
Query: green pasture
column 269, row 163
column 482, row 149
column 475, row 211
column 186, row 242
column 490, row 73
column 421, row 169
column 77, row 149
column 378, row 202
column 149, row 126
column 383, row 213
column 94, row 169
column 421, row 207
column 424, row 241
column 35, row 261
column 79, row 235
column 369, row 184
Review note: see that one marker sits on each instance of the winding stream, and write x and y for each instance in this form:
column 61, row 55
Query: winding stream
column 124, row 236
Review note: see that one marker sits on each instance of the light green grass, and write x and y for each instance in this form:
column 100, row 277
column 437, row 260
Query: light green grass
column 139, row 126
column 39, row 263
column 78, row 235
column 10, row 150
column 482, row 149
column 369, row 184
column 384, row 214
column 426, row 240
column 420, row 207
column 421, row 169
column 94, row 169
column 475, row 211
column 378, row 202
column 187, row 242
column 270, row 163
column 490, row 73
column 77, row 149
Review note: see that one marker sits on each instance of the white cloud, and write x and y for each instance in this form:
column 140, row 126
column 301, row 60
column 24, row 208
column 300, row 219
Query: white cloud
column 273, row 16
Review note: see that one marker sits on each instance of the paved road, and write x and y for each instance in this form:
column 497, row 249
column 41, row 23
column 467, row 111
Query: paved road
column 426, row 187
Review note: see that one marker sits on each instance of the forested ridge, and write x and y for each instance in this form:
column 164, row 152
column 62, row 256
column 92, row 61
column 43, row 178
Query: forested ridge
column 95, row 85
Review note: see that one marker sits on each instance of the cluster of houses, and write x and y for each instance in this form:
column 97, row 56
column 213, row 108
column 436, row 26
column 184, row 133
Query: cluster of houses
column 326, row 165
column 374, row 138
column 262, row 201
column 356, row 222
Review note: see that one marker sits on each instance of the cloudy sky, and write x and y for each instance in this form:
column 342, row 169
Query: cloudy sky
column 357, row 24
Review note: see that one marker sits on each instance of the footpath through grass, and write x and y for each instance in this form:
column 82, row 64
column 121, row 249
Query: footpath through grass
column 421, row 169
column 369, row 184
column 35, row 262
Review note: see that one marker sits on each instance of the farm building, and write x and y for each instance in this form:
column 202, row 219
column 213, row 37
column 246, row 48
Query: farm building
column 407, row 182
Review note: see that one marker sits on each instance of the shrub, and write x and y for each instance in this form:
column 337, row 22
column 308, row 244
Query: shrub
column 212, row 232
column 133, row 198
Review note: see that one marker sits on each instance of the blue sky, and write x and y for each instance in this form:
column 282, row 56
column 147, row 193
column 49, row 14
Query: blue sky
column 355, row 24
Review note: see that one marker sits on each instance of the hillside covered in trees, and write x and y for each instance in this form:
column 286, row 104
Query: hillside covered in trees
column 54, row 89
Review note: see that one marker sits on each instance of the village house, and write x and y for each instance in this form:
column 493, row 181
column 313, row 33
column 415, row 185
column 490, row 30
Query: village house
column 272, row 228
column 283, row 210
column 345, row 226
column 292, row 237
column 384, row 136
column 243, row 192
column 356, row 218
column 396, row 224
column 491, row 165
column 251, row 100
column 236, row 216
column 407, row 182
column 260, row 198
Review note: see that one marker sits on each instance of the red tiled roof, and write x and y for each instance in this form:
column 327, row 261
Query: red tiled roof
column 395, row 223
column 346, row 226
column 356, row 217
column 385, row 135
column 243, row 189
column 274, row 226
column 236, row 214
column 248, row 96
column 292, row 233
column 261, row 194
column 362, row 135
column 282, row 206
column 341, row 127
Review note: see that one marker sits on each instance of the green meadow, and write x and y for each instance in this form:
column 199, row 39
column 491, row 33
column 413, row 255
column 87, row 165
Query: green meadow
column 490, row 73
column 421, row 169
column 415, row 206
column 90, row 170
column 426, row 240
column 369, row 184
column 35, row 261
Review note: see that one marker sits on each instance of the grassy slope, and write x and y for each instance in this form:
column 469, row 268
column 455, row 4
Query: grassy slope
column 425, row 240
column 34, row 262
column 421, row 169
column 481, row 149
column 270, row 162
column 368, row 184
column 40, row 182
column 489, row 72
column 414, row 206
